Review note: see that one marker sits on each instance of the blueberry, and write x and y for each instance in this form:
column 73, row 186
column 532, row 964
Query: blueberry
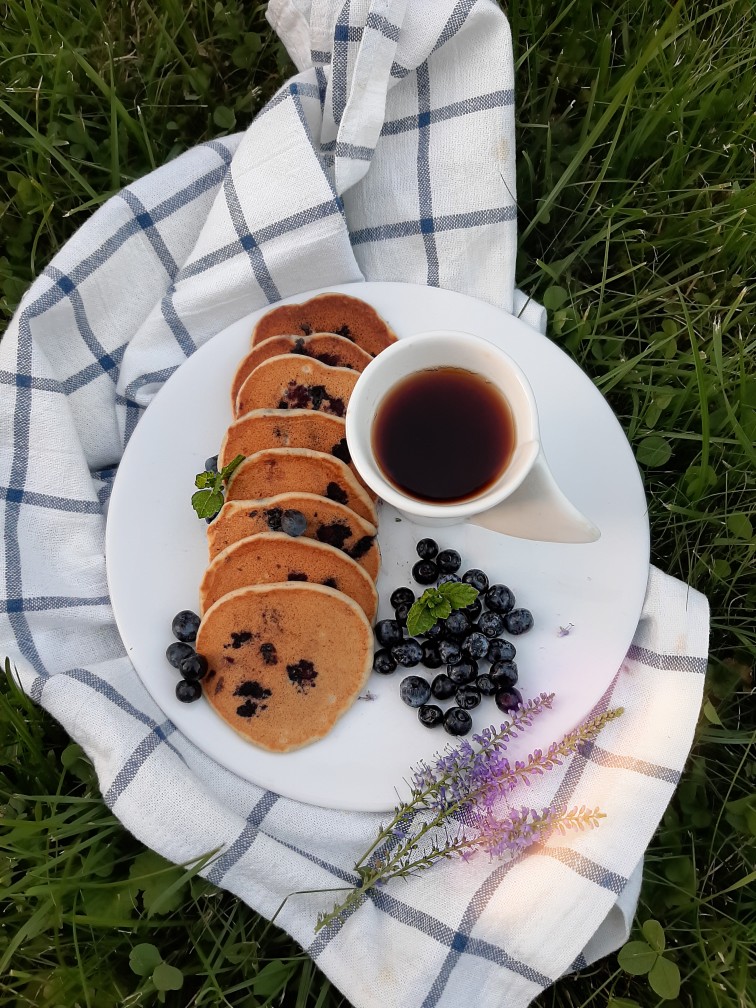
column 462, row 672
column 443, row 687
column 414, row 690
column 185, row 625
column 388, row 632
column 427, row 549
column 508, row 700
column 500, row 599
column 176, row 652
column 449, row 561
column 383, row 663
column 430, row 715
column 450, row 651
column 449, row 579
column 490, row 624
column 486, row 685
column 188, row 690
column 518, row 621
column 293, row 523
column 501, row 650
column 475, row 645
column 503, row 674
column 474, row 610
column 425, row 572
column 409, row 653
column 211, row 464
column 456, row 625
column 194, row 667
column 435, row 632
column 401, row 613
column 431, row 658
column 457, row 721
column 476, row 578
column 402, row 596
column 467, row 697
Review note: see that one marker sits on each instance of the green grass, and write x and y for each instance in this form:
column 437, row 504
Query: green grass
column 636, row 132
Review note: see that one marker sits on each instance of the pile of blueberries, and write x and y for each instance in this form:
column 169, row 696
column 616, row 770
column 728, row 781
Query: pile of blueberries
column 462, row 640
column 183, row 657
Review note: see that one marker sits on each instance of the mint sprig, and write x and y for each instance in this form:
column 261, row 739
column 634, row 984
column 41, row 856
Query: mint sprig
column 208, row 500
column 437, row 603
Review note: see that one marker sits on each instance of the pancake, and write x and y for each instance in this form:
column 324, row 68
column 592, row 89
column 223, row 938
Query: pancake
column 279, row 470
column 296, row 428
column 287, row 382
column 325, row 347
column 273, row 557
column 336, row 313
column 286, row 661
column 327, row 522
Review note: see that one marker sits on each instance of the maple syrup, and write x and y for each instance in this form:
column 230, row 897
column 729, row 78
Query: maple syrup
column 443, row 435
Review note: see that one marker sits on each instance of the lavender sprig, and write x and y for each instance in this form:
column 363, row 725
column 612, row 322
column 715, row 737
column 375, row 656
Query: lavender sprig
column 458, row 805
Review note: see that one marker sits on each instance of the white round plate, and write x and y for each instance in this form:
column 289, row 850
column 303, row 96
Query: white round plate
column 156, row 555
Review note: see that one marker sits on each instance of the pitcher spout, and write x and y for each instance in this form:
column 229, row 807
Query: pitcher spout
column 538, row 510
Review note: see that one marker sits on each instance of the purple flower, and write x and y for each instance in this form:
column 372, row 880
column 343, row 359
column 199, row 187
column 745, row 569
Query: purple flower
column 460, row 804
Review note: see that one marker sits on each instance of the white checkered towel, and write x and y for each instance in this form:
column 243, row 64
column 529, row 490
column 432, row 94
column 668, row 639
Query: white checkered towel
column 390, row 156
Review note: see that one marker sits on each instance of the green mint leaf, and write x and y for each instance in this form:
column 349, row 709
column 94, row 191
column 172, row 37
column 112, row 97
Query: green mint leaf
column 207, row 502
column 437, row 603
column 419, row 618
column 440, row 611
column 214, row 504
column 204, row 479
column 228, row 470
column 458, row 594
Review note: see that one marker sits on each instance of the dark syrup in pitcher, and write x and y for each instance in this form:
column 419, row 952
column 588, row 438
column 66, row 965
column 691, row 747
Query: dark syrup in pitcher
column 443, row 435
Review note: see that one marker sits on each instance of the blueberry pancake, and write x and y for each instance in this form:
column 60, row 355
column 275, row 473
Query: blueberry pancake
column 325, row 347
column 287, row 382
column 296, row 428
column 327, row 522
column 279, row 470
column 286, row 661
column 273, row 557
column 346, row 316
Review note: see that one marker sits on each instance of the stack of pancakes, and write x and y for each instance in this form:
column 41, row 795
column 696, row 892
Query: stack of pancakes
column 287, row 620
